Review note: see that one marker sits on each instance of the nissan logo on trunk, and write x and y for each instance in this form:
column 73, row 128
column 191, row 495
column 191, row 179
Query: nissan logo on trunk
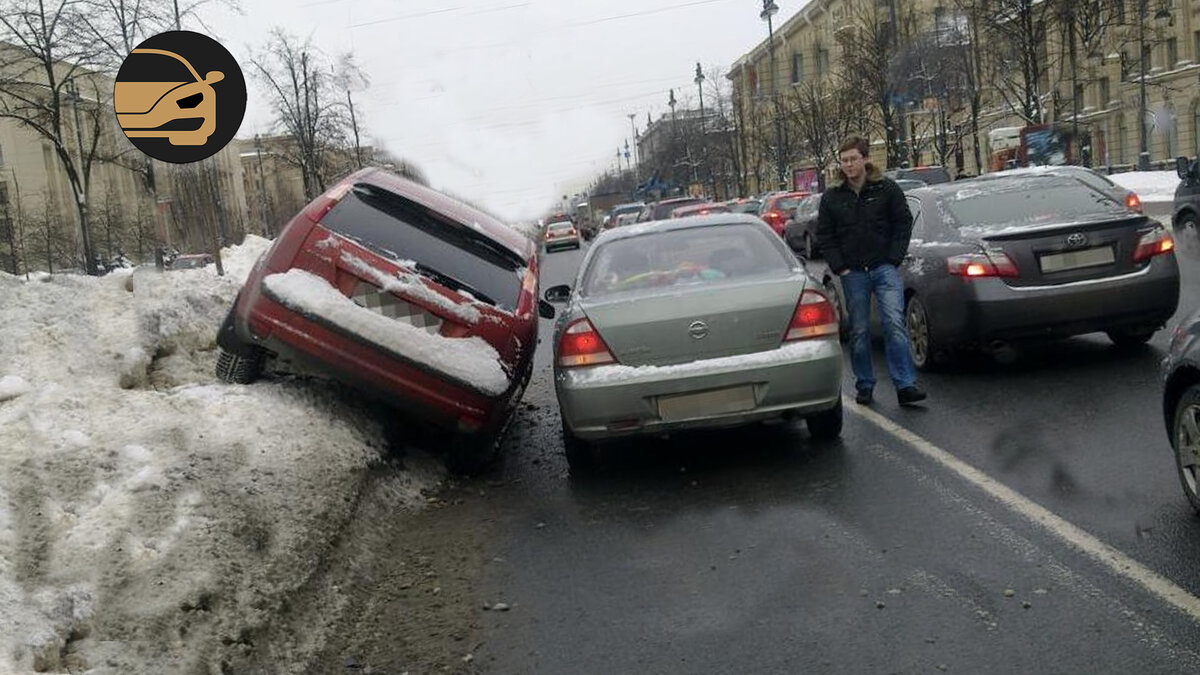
column 698, row 330
column 1076, row 240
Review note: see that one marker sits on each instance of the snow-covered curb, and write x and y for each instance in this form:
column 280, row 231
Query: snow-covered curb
column 153, row 520
column 1150, row 186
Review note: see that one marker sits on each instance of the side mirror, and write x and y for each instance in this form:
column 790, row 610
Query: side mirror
column 213, row 76
column 545, row 309
column 1183, row 167
column 559, row 293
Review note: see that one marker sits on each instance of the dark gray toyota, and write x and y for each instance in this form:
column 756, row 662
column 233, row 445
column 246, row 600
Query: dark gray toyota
column 1010, row 259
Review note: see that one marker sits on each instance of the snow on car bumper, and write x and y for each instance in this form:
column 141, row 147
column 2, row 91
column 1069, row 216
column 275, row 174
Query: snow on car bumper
column 609, row 401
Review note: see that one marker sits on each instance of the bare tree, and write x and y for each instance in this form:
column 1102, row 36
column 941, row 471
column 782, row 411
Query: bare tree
column 1018, row 29
column 821, row 113
column 49, row 84
column 307, row 106
column 869, row 40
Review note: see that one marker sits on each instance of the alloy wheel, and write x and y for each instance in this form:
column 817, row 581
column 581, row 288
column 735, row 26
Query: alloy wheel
column 918, row 332
column 1187, row 448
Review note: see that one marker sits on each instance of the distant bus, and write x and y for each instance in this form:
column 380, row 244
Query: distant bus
column 1004, row 145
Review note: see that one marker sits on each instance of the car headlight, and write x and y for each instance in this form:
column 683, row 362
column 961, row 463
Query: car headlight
column 190, row 101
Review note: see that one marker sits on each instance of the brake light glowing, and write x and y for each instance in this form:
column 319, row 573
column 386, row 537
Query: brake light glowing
column 1155, row 242
column 581, row 345
column 814, row 317
column 1132, row 201
column 977, row 265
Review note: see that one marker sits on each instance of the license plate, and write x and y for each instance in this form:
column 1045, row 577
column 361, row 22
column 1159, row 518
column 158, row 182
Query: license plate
column 706, row 404
column 1088, row 257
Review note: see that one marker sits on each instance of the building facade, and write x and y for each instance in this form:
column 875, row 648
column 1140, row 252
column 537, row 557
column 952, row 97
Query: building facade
column 1090, row 81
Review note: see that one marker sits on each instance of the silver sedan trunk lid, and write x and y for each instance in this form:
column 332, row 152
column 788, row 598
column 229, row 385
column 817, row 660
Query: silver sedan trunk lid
column 699, row 323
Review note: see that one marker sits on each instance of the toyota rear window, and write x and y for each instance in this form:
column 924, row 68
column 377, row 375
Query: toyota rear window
column 453, row 254
column 1029, row 204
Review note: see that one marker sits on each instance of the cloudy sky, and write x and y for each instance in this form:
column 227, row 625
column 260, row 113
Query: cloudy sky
column 507, row 102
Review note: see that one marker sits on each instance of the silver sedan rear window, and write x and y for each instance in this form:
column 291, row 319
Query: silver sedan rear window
column 681, row 258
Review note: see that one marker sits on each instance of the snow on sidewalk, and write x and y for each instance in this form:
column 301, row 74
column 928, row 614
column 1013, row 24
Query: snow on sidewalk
column 151, row 518
column 1150, row 186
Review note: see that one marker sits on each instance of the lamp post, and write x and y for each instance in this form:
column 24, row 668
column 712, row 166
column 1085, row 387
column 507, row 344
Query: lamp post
column 769, row 10
column 633, row 131
column 1162, row 19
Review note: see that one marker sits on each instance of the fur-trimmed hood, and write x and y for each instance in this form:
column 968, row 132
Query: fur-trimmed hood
column 874, row 175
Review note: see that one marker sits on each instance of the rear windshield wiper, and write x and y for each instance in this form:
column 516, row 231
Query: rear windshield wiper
column 450, row 282
column 506, row 255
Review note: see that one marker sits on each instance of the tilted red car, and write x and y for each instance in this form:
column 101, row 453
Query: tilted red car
column 405, row 293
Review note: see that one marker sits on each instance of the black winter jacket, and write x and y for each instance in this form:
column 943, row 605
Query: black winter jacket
column 860, row 231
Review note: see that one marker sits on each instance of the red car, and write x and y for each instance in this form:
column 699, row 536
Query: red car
column 777, row 209
column 405, row 293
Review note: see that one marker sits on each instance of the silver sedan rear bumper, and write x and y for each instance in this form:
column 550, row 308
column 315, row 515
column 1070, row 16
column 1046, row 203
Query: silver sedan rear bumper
column 611, row 401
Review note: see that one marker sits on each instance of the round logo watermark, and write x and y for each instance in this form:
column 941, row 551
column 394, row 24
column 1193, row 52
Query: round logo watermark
column 180, row 97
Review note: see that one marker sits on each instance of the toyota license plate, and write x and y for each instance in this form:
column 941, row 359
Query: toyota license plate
column 1070, row 260
column 706, row 404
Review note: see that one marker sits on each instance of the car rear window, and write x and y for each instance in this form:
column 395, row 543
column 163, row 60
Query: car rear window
column 561, row 227
column 931, row 175
column 1028, row 204
column 747, row 207
column 678, row 258
column 452, row 253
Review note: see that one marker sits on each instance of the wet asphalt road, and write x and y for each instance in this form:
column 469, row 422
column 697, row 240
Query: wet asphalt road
column 761, row 551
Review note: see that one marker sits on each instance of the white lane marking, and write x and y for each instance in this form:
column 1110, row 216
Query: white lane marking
column 1118, row 562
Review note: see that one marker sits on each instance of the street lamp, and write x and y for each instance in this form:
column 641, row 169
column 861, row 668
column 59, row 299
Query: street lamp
column 633, row 131
column 1162, row 19
column 769, row 10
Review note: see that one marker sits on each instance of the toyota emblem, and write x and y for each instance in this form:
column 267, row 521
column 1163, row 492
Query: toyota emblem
column 1076, row 239
column 698, row 330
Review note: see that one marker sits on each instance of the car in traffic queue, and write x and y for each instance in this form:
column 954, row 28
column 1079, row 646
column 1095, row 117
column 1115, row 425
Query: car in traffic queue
column 699, row 210
column 907, row 184
column 661, row 210
column 560, row 235
column 405, row 293
column 930, row 175
column 744, row 205
column 1181, row 405
column 777, row 208
column 1185, row 211
column 699, row 322
column 995, row 263
column 800, row 231
column 623, row 214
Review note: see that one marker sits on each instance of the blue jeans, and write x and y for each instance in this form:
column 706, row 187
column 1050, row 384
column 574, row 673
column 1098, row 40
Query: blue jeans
column 885, row 282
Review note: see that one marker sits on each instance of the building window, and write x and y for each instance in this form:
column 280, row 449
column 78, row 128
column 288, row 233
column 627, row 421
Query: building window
column 1104, row 93
column 1170, row 131
column 1172, row 52
column 1147, row 59
column 1125, row 67
column 752, row 81
column 797, row 68
column 1078, row 102
column 3, row 194
column 1196, row 47
column 822, row 61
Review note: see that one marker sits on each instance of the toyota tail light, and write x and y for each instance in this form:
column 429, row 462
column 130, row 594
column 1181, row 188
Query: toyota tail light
column 977, row 265
column 1133, row 202
column 1155, row 242
column 581, row 345
column 815, row 317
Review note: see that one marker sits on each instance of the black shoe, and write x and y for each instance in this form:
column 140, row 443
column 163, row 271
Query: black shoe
column 910, row 395
column 864, row 397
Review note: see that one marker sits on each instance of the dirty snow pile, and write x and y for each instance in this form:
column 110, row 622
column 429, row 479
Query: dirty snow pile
column 152, row 519
column 1150, row 186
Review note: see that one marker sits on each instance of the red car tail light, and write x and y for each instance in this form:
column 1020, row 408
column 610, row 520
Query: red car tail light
column 814, row 317
column 324, row 204
column 1156, row 242
column 1133, row 202
column 972, row 265
column 581, row 345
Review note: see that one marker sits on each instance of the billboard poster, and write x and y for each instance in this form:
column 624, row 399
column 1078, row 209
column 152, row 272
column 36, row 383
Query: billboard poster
column 806, row 180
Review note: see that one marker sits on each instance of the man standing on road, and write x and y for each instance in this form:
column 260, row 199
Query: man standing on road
column 863, row 228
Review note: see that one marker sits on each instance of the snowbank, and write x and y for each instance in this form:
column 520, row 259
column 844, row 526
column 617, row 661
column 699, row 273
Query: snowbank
column 153, row 520
column 1150, row 186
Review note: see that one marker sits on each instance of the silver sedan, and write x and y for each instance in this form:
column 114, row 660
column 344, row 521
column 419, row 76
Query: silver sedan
column 699, row 322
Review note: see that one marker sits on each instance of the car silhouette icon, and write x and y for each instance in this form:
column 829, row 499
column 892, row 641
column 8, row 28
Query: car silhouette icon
column 160, row 95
